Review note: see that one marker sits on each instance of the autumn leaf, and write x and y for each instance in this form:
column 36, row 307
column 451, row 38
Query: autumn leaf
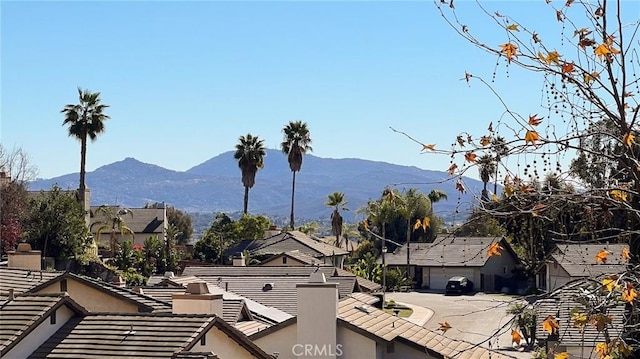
column 534, row 120
column 600, row 321
column 470, row 157
column 536, row 38
column 601, row 256
column 430, row 147
column 610, row 283
column 591, row 77
column 494, row 250
column 426, row 221
column 535, row 211
column 618, row 195
column 628, row 139
column 606, row 50
column 508, row 190
column 629, row 294
column 554, row 57
column 460, row 187
column 444, row 326
column 624, row 254
column 513, row 27
column 586, row 42
column 485, row 140
column 579, row 319
column 563, row 355
column 568, row 3
column 515, row 337
column 531, row 136
column 559, row 16
column 599, row 12
column 452, row 169
column 510, row 50
column 602, row 349
column 460, row 141
column 494, row 197
column 567, row 67
column 550, row 325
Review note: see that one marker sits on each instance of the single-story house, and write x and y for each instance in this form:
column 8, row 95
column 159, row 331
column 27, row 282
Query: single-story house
column 568, row 262
column 143, row 222
column 287, row 242
column 432, row 264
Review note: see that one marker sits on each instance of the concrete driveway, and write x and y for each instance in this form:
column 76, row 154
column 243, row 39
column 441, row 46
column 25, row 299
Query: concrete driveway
column 479, row 319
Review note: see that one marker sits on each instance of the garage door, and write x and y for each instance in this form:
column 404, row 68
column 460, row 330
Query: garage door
column 438, row 277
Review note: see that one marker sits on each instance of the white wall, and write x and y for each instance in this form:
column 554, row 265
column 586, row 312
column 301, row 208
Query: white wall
column 402, row 351
column 40, row 334
column 556, row 277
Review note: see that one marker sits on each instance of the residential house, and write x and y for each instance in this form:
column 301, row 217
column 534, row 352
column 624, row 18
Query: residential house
column 287, row 242
column 143, row 222
column 433, row 264
column 353, row 328
column 291, row 258
column 569, row 262
column 562, row 304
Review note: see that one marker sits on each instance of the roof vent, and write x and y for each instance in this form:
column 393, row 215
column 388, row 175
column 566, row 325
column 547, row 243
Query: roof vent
column 197, row 288
column 169, row 274
column 267, row 287
column 363, row 308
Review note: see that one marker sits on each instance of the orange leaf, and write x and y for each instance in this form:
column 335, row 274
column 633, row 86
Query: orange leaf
column 628, row 139
column 550, row 325
column 510, row 50
column 470, row 157
column 515, row 337
column 494, row 250
column 430, row 147
column 452, row 169
column 602, row 349
column 601, row 256
column 605, row 50
column 624, row 254
column 460, row 187
column 534, row 120
column 618, row 195
column 563, row 355
column 567, row 67
column 444, row 326
column 485, row 140
column 535, row 211
column 554, row 57
column 513, row 27
column 610, row 282
column 591, row 77
column 629, row 294
column 531, row 136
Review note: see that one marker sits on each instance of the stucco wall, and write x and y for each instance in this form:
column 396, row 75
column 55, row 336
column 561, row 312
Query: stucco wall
column 225, row 348
column 354, row 345
column 281, row 341
column 277, row 262
column 40, row 334
column 403, row 351
column 92, row 299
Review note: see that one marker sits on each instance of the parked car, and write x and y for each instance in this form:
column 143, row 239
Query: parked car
column 458, row 285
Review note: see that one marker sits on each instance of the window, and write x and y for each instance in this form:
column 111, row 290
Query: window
column 284, row 260
column 63, row 285
column 52, row 318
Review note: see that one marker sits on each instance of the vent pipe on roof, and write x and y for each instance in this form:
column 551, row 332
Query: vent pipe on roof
column 11, row 296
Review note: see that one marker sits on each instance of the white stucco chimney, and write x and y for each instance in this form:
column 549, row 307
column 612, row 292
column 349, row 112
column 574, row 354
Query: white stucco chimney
column 238, row 260
column 317, row 316
column 24, row 257
column 197, row 300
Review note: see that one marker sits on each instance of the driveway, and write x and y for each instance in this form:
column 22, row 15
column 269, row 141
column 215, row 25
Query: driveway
column 479, row 319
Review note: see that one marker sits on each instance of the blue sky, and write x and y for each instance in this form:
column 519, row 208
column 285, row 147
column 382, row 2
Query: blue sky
column 186, row 79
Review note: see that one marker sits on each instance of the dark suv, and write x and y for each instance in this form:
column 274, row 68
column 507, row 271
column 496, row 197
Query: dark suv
column 459, row 285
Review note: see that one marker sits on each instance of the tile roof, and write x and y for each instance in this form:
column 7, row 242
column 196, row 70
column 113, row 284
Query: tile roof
column 22, row 280
column 297, row 256
column 135, row 336
column 142, row 220
column 362, row 317
column 286, row 242
column 24, row 313
column 363, row 283
column 446, row 251
column 250, row 327
column 560, row 305
column 163, row 293
column 144, row 302
column 579, row 259
column 252, row 271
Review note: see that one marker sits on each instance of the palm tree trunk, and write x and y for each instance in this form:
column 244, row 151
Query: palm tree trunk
column 246, row 199
column 408, row 246
column 293, row 191
column 495, row 179
column 83, row 158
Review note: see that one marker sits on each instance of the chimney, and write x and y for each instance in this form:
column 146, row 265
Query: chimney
column 137, row 290
column 318, row 315
column 11, row 296
column 197, row 300
column 238, row 260
column 119, row 282
column 24, row 257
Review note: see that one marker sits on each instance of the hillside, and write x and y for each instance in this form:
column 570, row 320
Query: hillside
column 215, row 186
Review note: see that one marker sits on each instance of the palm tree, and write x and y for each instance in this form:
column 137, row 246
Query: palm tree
column 250, row 153
column 112, row 220
column 296, row 143
column 486, row 168
column 336, row 200
column 499, row 146
column 85, row 119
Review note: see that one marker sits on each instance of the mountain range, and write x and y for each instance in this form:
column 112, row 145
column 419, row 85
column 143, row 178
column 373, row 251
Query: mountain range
column 215, row 185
